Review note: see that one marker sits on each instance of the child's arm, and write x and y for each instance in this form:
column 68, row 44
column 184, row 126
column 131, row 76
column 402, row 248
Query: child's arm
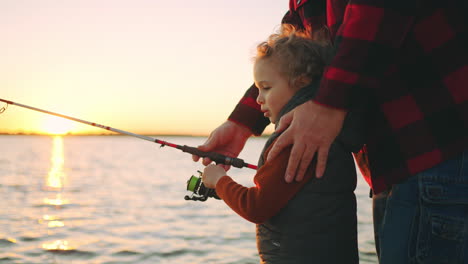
column 268, row 197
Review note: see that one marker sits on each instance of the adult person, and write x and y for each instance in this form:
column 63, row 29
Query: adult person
column 408, row 59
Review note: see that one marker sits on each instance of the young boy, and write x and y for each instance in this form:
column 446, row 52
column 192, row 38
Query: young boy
column 314, row 220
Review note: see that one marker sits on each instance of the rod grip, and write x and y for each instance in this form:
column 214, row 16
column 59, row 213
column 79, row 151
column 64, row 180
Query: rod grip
column 216, row 157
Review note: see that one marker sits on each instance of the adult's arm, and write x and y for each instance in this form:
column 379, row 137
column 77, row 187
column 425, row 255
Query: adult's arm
column 247, row 112
column 366, row 42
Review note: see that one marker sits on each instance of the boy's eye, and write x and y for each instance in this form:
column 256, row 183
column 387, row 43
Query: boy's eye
column 266, row 88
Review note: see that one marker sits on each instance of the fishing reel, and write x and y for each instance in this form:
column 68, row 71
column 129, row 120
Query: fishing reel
column 199, row 191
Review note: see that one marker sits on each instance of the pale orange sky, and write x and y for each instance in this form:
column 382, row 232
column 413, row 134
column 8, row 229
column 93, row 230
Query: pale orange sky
column 145, row 66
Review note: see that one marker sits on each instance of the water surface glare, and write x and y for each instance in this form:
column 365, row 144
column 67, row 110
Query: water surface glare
column 118, row 199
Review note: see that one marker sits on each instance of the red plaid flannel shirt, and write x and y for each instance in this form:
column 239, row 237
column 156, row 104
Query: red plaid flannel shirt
column 409, row 57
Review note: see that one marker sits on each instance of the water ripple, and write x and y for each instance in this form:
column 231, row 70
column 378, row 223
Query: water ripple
column 126, row 253
column 73, row 252
column 29, row 238
column 7, row 241
column 8, row 259
column 180, row 252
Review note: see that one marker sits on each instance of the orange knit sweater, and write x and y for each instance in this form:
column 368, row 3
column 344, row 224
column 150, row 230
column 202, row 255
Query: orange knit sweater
column 270, row 193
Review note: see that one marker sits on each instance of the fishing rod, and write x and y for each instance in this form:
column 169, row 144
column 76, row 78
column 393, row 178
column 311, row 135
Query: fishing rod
column 194, row 184
column 216, row 157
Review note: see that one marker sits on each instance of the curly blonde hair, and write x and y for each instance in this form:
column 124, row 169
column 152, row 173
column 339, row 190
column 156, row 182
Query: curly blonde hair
column 300, row 57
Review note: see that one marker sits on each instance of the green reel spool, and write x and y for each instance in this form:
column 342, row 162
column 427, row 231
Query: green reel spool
column 193, row 183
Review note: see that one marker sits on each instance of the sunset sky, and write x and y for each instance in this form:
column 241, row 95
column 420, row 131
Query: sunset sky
column 145, row 66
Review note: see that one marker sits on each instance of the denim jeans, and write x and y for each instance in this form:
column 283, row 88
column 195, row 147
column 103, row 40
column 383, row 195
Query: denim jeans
column 425, row 219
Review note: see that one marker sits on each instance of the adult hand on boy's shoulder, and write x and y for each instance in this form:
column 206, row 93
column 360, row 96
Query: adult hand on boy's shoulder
column 311, row 128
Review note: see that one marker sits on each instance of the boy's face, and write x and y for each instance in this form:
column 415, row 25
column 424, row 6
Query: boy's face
column 273, row 87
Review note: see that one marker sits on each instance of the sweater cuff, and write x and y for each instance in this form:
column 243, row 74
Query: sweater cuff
column 221, row 185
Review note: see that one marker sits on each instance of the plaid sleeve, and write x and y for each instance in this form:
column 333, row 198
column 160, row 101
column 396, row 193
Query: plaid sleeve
column 292, row 18
column 247, row 112
column 371, row 33
column 307, row 15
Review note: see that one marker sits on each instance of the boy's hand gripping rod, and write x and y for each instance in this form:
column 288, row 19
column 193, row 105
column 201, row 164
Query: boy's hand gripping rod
column 216, row 157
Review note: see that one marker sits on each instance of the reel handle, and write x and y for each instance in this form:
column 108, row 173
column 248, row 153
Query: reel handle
column 199, row 191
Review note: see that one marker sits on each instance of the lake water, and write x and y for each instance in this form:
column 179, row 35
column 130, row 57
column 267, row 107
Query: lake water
column 118, row 199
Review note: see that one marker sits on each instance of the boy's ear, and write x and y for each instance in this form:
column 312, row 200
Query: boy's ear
column 302, row 81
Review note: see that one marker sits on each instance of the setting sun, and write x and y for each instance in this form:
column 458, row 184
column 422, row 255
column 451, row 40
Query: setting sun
column 57, row 126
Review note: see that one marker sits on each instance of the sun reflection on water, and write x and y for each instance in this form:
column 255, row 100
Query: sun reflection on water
column 56, row 177
column 52, row 221
column 54, row 184
column 55, row 180
column 57, row 201
column 58, row 245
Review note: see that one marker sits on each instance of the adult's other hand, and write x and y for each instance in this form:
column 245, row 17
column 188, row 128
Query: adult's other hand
column 311, row 128
column 227, row 139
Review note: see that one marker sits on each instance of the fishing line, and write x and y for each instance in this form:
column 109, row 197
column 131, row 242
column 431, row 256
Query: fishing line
column 216, row 157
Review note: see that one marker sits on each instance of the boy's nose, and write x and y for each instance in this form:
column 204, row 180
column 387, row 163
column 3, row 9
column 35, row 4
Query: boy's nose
column 259, row 99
